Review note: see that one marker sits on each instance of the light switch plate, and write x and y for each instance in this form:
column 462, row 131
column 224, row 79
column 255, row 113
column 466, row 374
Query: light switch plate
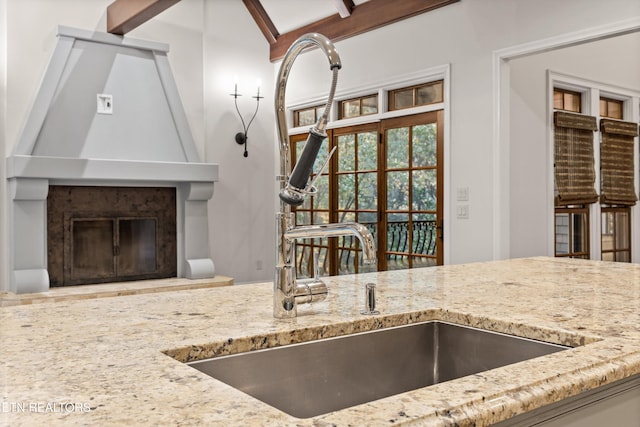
column 462, row 211
column 462, row 194
column 105, row 103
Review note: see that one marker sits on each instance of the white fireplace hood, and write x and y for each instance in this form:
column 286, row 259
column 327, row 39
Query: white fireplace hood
column 108, row 113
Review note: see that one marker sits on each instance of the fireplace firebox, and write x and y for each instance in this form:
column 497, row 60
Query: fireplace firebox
column 110, row 234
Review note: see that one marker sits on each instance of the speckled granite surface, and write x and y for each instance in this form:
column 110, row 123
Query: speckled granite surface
column 105, row 362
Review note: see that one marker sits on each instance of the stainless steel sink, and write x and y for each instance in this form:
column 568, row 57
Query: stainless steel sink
column 316, row 377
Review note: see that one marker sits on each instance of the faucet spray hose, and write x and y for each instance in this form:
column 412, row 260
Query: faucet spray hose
column 304, row 167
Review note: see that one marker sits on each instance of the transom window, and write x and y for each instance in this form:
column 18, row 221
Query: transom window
column 358, row 107
column 414, row 96
column 611, row 108
column 307, row 116
column 567, row 100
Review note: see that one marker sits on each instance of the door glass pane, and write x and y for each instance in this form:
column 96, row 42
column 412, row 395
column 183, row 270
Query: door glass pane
column 367, row 218
column 580, row 232
column 368, row 151
column 418, row 262
column 368, row 191
column 92, row 252
column 302, row 218
column 622, row 230
column 607, row 231
column 562, row 233
column 398, row 148
column 321, row 198
column 299, row 147
column 397, row 194
column 398, row 242
column 322, row 156
column 137, row 246
column 608, row 256
column 425, row 235
column 346, row 192
column 424, row 189
column 424, row 145
column 321, row 217
column 623, row 256
column 346, row 152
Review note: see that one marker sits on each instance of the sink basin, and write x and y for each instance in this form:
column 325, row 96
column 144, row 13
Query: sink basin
column 317, row 377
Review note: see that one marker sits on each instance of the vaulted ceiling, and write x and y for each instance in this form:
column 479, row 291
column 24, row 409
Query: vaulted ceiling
column 283, row 21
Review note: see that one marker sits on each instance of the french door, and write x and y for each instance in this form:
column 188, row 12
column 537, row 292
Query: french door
column 387, row 176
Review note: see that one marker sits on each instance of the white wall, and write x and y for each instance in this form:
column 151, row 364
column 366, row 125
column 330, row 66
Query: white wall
column 464, row 35
column 600, row 61
column 242, row 209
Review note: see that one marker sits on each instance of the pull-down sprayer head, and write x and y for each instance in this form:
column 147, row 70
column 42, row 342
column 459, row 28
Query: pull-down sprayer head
column 294, row 185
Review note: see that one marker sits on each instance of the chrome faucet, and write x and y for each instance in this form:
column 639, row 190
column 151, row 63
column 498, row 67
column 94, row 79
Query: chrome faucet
column 288, row 291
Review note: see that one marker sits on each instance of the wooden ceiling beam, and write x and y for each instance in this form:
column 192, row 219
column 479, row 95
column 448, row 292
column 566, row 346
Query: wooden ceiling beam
column 262, row 20
column 125, row 15
column 364, row 17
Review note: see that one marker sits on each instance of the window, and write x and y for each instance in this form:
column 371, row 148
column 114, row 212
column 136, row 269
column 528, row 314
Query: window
column 616, row 234
column 572, row 232
column 567, row 100
column 611, row 108
column 414, row 96
column 574, row 182
column 617, row 193
column 358, row 107
column 589, row 149
column 307, row 116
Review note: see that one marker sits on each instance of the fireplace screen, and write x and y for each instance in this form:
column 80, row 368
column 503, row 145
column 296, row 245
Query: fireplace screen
column 107, row 248
column 110, row 234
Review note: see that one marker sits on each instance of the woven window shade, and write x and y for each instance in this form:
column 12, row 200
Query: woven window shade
column 574, row 171
column 617, row 166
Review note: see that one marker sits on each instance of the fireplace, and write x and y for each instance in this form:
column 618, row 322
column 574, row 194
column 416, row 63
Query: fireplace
column 100, row 196
column 110, row 234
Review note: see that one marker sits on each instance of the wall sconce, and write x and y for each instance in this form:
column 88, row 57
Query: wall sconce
column 241, row 137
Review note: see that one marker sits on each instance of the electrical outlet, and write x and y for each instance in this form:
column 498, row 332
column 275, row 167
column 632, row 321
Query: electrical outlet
column 105, row 103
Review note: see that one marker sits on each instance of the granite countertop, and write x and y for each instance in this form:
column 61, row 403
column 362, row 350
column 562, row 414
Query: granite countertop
column 106, row 361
